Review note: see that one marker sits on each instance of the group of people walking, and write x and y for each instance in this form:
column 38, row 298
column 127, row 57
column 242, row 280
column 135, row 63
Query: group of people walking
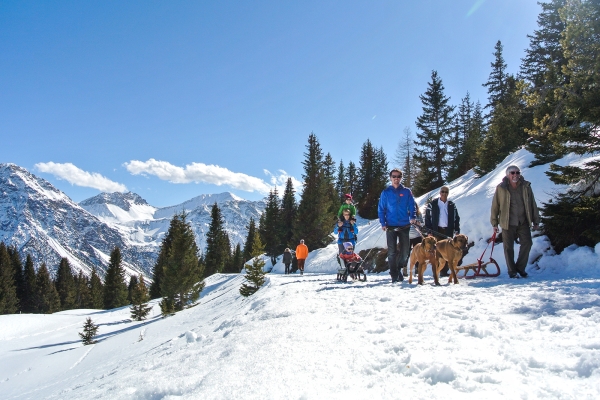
column 513, row 209
column 301, row 255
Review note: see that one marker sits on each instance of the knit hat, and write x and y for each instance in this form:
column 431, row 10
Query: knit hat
column 348, row 196
column 347, row 245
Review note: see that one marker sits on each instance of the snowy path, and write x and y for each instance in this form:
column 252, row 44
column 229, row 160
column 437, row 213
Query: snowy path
column 311, row 337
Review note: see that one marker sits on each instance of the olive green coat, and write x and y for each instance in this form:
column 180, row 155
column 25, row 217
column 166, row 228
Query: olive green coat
column 501, row 204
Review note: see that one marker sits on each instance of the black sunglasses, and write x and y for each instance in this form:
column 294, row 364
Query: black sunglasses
column 444, row 191
column 396, row 176
column 515, row 172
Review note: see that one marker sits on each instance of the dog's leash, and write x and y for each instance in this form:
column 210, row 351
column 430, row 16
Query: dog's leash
column 434, row 233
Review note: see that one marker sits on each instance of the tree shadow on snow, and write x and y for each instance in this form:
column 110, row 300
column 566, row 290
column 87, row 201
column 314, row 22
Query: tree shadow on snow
column 45, row 346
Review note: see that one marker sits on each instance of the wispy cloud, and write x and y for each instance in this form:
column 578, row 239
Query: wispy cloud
column 79, row 177
column 203, row 173
column 474, row 8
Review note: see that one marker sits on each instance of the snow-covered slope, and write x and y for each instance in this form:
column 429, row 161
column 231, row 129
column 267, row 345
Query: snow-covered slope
column 144, row 224
column 312, row 337
column 44, row 222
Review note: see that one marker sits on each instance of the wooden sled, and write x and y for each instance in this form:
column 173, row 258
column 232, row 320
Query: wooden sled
column 480, row 268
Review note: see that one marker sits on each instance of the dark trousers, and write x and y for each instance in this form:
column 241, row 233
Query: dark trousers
column 301, row 264
column 523, row 232
column 287, row 268
column 444, row 231
column 397, row 257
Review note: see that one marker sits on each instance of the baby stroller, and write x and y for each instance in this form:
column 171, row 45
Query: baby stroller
column 353, row 269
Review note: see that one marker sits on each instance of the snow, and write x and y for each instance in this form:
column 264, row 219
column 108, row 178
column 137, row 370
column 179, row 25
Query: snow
column 311, row 337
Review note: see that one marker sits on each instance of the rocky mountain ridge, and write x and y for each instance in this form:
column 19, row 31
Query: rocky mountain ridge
column 44, row 222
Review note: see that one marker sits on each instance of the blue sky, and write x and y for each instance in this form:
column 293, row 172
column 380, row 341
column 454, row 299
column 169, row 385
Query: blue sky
column 168, row 98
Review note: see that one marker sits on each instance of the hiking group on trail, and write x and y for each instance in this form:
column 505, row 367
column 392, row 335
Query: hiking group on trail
column 513, row 209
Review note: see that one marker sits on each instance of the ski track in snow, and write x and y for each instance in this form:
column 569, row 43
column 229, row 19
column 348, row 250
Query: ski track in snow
column 313, row 337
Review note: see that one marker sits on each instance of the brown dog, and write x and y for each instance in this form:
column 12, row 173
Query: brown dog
column 450, row 251
column 423, row 252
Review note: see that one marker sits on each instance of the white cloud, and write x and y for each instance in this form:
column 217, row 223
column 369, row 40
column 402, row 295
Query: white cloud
column 79, row 177
column 201, row 173
column 280, row 180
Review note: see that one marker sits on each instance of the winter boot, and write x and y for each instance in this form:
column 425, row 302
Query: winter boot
column 404, row 271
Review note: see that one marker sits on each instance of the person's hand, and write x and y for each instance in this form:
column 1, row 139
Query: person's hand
column 412, row 221
column 340, row 223
column 496, row 229
column 384, row 227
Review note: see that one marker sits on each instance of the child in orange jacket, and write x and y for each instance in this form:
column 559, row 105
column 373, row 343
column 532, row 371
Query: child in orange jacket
column 301, row 254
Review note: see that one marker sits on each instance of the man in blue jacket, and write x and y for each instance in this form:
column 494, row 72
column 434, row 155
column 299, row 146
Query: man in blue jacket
column 396, row 212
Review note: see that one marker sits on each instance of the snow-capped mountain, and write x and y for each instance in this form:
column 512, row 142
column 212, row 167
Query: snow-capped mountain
column 44, row 222
column 144, row 224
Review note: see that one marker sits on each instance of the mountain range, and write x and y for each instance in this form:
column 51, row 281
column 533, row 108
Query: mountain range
column 44, row 222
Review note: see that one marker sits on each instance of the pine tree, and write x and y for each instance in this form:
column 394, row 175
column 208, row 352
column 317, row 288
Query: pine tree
column 341, row 184
column 47, row 300
column 378, row 183
column 330, row 179
column 545, row 49
column 17, row 266
column 255, row 276
column 372, row 178
column 404, row 158
column 96, row 289
column 507, row 118
column 289, row 210
column 351, row 178
column 182, row 279
column 133, row 281
column 575, row 215
column 9, row 302
column 247, row 253
column 365, row 178
column 497, row 83
column 435, row 126
column 30, row 287
column 90, row 330
column 466, row 138
column 269, row 227
column 314, row 222
column 237, row 261
column 218, row 251
column 161, row 260
column 82, row 291
column 227, row 251
column 65, row 284
column 139, row 300
column 115, row 288
column 543, row 67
